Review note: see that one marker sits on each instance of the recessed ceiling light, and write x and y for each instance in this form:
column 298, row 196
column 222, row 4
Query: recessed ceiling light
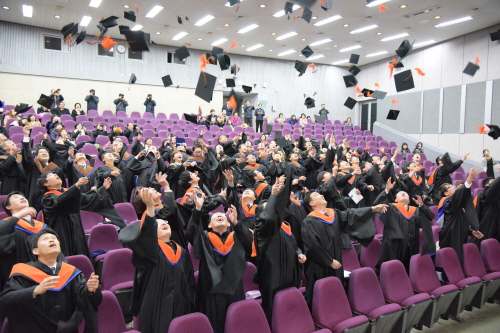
column 255, row 47
column 460, row 20
column 303, row 39
column 226, row 25
column 323, row 41
column 376, row 3
column 158, row 33
column 242, row 45
column 394, row 37
column 136, row 27
column 403, row 6
column 350, row 48
column 126, row 6
column 57, row 16
column 340, row 62
column 85, row 21
column 179, row 35
column 328, row 20
column 346, row 25
column 316, row 57
column 270, row 50
column 219, row 41
column 370, row 27
column 27, row 10
column 95, row 3
column 376, row 54
column 248, row 28
column 282, row 12
column 437, row 17
column 300, row 55
column 5, row 7
column 262, row 6
column 314, row 17
column 200, row 38
column 288, row 35
column 335, row 45
column 428, row 42
column 204, row 20
column 273, row 33
column 152, row 13
column 379, row 33
column 286, row 53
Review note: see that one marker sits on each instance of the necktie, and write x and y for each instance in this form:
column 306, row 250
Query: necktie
column 326, row 213
column 53, row 270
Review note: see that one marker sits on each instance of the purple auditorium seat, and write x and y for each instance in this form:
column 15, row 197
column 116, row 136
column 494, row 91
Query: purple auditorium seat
column 92, row 113
column 190, row 323
column 472, row 288
column 98, row 119
column 366, row 298
column 109, row 314
column 161, row 116
column 141, row 121
column 155, row 122
column 458, row 177
column 65, row 117
column 409, row 156
column 246, row 316
column 370, row 255
column 89, row 220
column 337, row 122
column 175, row 128
column 162, row 127
column 82, row 263
column 189, row 142
column 174, row 116
column 396, row 287
column 69, row 123
column 102, row 140
column 490, row 248
column 182, row 122
column 108, row 113
column 248, row 284
column 38, row 129
column 474, row 266
column 126, row 212
column 83, row 138
column 46, row 118
column 350, row 259
column 358, row 133
column 15, row 130
column 290, row 313
column 102, row 238
column 10, row 121
column 148, row 115
column 331, row 309
column 148, row 126
column 113, row 120
column 148, row 133
column 157, row 142
column 369, row 138
column 90, row 150
column 135, row 115
column 121, row 114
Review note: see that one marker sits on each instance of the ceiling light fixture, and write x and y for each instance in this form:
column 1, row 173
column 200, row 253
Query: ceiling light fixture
column 179, row 35
column 386, row 39
column 427, row 42
column 5, row 7
column 314, row 17
column 255, row 47
column 323, row 41
column 376, row 3
column 270, row 50
column 126, row 6
column 350, row 48
column 370, row 27
column 158, row 33
column 273, row 33
column 316, row 57
column 288, row 35
column 460, row 20
column 437, row 17
column 328, row 20
column 403, row 6
column 282, row 12
column 200, row 38
column 85, row 21
column 136, row 27
column 335, row 45
column 248, row 28
column 346, row 25
column 376, row 54
column 219, row 41
column 286, row 53
column 262, row 6
column 95, row 3
column 27, row 11
column 379, row 33
column 340, row 62
column 226, row 25
column 204, row 20
column 57, row 16
column 152, row 13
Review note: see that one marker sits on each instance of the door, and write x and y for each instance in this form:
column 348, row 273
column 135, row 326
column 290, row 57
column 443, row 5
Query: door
column 364, row 116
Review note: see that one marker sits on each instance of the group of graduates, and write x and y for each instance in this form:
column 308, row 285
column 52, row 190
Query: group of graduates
column 287, row 207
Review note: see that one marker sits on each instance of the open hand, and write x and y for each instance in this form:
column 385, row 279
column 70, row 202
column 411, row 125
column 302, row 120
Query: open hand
column 47, row 283
column 107, row 183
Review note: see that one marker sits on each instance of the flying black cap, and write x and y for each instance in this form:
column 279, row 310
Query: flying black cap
column 399, row 64
column 354, row 59
column 109, row 22
column 494, row 131
column 182, row 53
column 45, row 100
column 393, row 114
column 205, row 86
column 301, row 67
column 233, row 2
column 247, row 89
column 22, row 107
column 288, row 8
column 230, row 83
column 379, row 94
column 367, row 92
column 495, row 35
column 327, row 5
column 81, row 37
column 350, row 102
column 129, row 15
column 404, row 81
column 224, row 61
column 354, row 70
column 167, row 81
column 350, row 81
column 132, row 79
column 212, row 58
column 217, row 50
column 191, row 118
column 234, row 69
column 309, row 102
column 307, row 52
column 70, row 28
column 123, row 28
column 307, row 14
column 137, row 40
column 404, row 49
column 471, row 69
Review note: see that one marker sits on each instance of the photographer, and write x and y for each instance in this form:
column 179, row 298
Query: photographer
column 150, row 104
column 121, row 103
column 92, row 100
column 130, row 132
column 55, row 95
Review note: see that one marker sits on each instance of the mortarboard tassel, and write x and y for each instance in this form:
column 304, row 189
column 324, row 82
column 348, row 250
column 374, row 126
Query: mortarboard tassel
column 382, row 8
column 482, row 130
column 314, row 70
column 419, row 71
column 394, row 101
column 90, row 43
column 204, row 63
column 107, row 43
column 315, row 93
column 137, row 9
column 358, row 91
column 233, row 45
column 391, row 67
column 368, row 94
column 477, row 61
column 187, row 43
column 377, row 85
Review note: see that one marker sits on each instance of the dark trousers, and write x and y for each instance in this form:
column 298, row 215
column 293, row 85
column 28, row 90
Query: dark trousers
column 258, row 123
column 248, row 121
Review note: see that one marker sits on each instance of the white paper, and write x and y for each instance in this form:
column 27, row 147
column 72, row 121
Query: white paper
column 354, row 196
column 346, row 274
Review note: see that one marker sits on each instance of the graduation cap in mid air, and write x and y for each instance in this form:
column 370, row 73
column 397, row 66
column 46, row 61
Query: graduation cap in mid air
column 307, row 14
column 234, row 69
column 307, row 52
column 327, row 5
column 22, row 107
column 230, row 83
column 354, row 70
column 137, row 40
column 404, row 81
column 182, row 53
column 132, row 79
column 212, row 58
column 354, row 59
column 205, row 86
column 217, row 50
column 129, row 15
column 81, row 37
column 494, row 131
column 191, row 118
column 350, row 102
column 471, row 69
column 318, row 119
column 70, row 28
column 367, row 92
column 224, row 61
column 399, row 64
column 247, row 89
column 495, row 35
column 350, row 81
column 309, row 102
column 109, row 22
column 45, row 100
column 123, row 28
column 404, row 49
column 393, row 115
column 301, row 67
column 233, row 2
column 379, row 94
column 288, row 8
column 167, row 81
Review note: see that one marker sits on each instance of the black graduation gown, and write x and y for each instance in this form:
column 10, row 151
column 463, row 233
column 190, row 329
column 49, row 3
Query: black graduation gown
column 13, row 174
column 54, row 311
column 322, row 242
column 98, row 201
column 297, row 214
column 456, row 221
column 246, row 215
column 413, row 185
column 401, row 231
column 441, row 175
column 312, row 167
column 163, row 288
column 263, row 191
column 58, row 153
column 376, row 179
column 173, row 173
column 127, row 175
column 75, row 172
column 345, row 186
column 298, row 171
column 488, row 211
column 146, row 170
column 220, row 277
column 117, row 190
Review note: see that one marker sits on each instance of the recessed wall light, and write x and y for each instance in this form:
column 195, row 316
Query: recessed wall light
column 335, row 45
column 273, row 33
column 255, row 47
column 57, row 16
column 376, row 3
column 270, row 50
column 340, row 62
column 316, row 57
column 136, row 27
column 403, row 6
column 200, row 38
column 314, row 17
column 303, row 39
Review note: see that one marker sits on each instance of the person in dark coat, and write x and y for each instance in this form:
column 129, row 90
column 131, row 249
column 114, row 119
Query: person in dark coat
column 487, row 205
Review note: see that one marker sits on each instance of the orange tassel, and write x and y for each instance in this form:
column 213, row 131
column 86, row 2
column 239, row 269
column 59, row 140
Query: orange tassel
column 137, row 9
column 482, row 130
column 358, row 91
column 323, row 2
column 232, row 102
column 377, row 85
column 204, row 63
column 477, row 61
column 233, row 45
column 315, row 93
column 394, row 101
column 382, row 8
column 368, row 94
column 391, row 67
column 419, row 71
column 188, row 44
column 107, row 43
column 314, row 70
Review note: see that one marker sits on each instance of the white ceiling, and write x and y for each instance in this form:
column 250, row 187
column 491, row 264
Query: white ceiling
column 394, row 20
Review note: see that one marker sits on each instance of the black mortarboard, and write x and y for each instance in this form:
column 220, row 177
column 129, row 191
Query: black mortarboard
column 45, row 100
column 404, row 49
column 307, row 52
column 132, row 79
column 393, row 114
column 109, row 22
column 22, row 107
column 179, row 19
column 234, row 69
column 399, row 64
column 404, row 81
column 235, row 99
column 191, row 118
column 137, row 40
column 495, row 35
column 379, row 94
column 471, row 69
column 319, row 119
column 367, row 92
column 70, row 28
column 212, row 58
column 233, row 2
column 288, row 8
column 129, row 15
column 167, row 81
column 230, row 83
column 301, row 67
column 147, row 38
column 350, row 81
column 81, row 37
column 247, row 89
column 327, row 5
column 350, row 102
column 205, row 86
column 494, row 131
column 217, row 50
column 309, row 102
column 307, row 14
column 354, row 58
column 224, row 61
column 182, row 53
column 354, row 70
column 123, row 28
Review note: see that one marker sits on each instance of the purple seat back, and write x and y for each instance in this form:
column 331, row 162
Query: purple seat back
column 326, row 309
column 110, row 315
column 350, row 259
column 193, row 322
column 246, row 316
column 394, row 282
column 126, row 212
column 90, row 149
column 447, row 259
column 121, row 114
column 290, row 312
column 81, row 118
column 102, row 140
column 148, row 133
column 65, row 117
column 161, row 116
column 46, row 118
column 473, row 263
column 82, row 263
column 370, row 255
column 90, row 219
column 83, row 138
column 92, row 113
column 141, row 121
column 15, row 130
column 490, row 248
column 103, row 237
column 117, row 268
column 365, row 294
column 135, row 115
column 108, row 113
column 248, row 284
column 148, row 115
column 423, row 274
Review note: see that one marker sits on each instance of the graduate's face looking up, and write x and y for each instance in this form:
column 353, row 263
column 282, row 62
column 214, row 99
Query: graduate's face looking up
column 375, row 159
column 17, row 202
column 194, row 177
column 218, row 221
column 308, row 145
column 80, row 158
column 117, row 144
column 259, row 176
column 402, row 198
column 416, row 158
column 130, row 126
column 52, row 181
column 178, row 157
column 242, row 149
column 164, row 230
column 344, row 166
column 412, row 167
column 108, row 158
column 251, row 159
column 249, row 194
column 326, row 177
column 197, row 152
column 450, row 190
column 294, row 157
column 367, row 166
column 222, row 139
column 47, row 245
column 43, row 155
column 8, row 145
column 317, row 201
column 354, row 160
